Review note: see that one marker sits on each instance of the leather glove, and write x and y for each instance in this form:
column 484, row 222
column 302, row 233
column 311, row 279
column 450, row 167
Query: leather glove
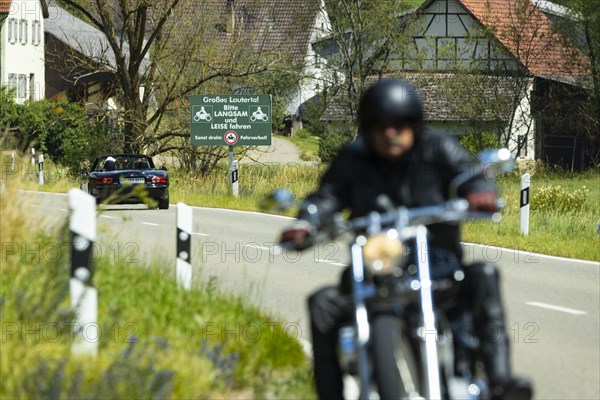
column 482, row 201
column 298, row 234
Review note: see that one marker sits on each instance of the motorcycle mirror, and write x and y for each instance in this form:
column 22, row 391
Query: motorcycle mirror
column 491, row 163
column 279, row 200
column 500, row 158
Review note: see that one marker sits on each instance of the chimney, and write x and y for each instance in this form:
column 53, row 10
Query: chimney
column 230, row 15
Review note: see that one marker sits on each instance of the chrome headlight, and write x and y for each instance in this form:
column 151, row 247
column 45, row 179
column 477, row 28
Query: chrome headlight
column 383, row 252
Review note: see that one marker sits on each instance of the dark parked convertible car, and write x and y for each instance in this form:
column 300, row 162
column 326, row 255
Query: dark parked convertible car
column 118, row 175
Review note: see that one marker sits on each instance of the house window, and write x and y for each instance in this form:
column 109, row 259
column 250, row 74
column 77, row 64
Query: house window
column 13, row 30
column 22, row 86
column 32, row 87
column 23, row 25
column 12, row 81
column 36, row 33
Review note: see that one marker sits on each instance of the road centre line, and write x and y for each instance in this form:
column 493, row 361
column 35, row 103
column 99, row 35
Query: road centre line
column 200, row 234
column 556, row 308
column 332, row 262
column 107, row 216
column 150, row 223
column 244, row 212
column 256, row 246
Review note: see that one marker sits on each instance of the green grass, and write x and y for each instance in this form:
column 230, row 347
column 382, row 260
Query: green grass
column 255, row 182
column 559, row 233
column 308, row 144
column 413, row 3
column 157, row 340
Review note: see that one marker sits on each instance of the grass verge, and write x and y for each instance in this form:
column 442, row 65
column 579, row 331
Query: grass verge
column 155, row 339
column 555, row 230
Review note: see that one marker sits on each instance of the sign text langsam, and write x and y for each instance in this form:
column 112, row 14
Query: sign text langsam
column 214, row 116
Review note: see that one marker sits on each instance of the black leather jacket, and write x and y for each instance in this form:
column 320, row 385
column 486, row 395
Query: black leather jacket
column 357, row 177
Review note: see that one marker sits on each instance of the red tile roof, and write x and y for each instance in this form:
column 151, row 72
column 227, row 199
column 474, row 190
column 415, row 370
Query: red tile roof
column 5, row 6
column 265, row 26
column 530, row 36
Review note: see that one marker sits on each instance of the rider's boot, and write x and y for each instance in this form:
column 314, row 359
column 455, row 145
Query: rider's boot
column 503, row 385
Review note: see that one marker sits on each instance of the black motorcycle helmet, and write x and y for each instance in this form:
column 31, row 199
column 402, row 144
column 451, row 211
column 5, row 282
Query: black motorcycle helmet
column 390, row 101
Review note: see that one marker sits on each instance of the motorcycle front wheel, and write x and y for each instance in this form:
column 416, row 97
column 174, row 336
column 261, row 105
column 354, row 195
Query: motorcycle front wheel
column 394, row 370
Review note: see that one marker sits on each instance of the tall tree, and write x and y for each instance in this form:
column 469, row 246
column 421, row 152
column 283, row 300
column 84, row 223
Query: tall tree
column 581, row 28
column 362, row 37
column 161, row 51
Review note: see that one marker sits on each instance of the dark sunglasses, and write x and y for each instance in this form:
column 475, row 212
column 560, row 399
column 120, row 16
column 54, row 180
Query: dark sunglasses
column 396, row 123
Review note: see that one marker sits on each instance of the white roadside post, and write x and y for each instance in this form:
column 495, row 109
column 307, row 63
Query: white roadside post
column 12, row 162
column 234, row 178
column 33, row 157
column 84, row 298
column 41, row 169
column 525, row 183
column 184, row 238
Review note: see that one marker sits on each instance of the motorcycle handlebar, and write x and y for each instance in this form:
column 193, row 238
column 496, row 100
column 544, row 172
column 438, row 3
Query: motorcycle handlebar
column 402, row 217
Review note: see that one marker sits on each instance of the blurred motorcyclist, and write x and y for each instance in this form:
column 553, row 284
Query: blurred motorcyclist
column 396, row 156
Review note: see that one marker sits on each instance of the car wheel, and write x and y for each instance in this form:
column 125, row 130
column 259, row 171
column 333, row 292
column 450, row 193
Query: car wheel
column 163, row 204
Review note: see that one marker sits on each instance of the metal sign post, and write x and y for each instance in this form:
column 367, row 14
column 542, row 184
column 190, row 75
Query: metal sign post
column 84, row 297
column 242, row 120
column 525, row 184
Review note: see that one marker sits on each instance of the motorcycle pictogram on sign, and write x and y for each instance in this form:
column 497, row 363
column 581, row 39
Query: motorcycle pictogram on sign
column 230, row 137
column 259, row 115
column 202, row 115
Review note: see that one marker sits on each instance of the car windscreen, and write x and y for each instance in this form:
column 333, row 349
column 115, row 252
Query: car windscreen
column 121, row 162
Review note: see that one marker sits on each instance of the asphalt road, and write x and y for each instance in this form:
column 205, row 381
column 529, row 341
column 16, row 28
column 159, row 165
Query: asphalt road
column 552, row 304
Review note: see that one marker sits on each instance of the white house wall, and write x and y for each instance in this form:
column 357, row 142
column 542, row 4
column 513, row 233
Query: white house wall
column 446, row 35
column 23, row 53
column 316, row 75
column 523, row 126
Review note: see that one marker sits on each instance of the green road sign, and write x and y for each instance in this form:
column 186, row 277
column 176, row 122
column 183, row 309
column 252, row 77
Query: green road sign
column 228, row 119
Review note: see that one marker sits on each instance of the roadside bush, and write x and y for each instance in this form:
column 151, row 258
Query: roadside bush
column 312, row 111
column 531, row 167
column 331, row 145
column 556, row 199
column 63, row 131
column 302, row 134
column 8, row 107
column 478, row 141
